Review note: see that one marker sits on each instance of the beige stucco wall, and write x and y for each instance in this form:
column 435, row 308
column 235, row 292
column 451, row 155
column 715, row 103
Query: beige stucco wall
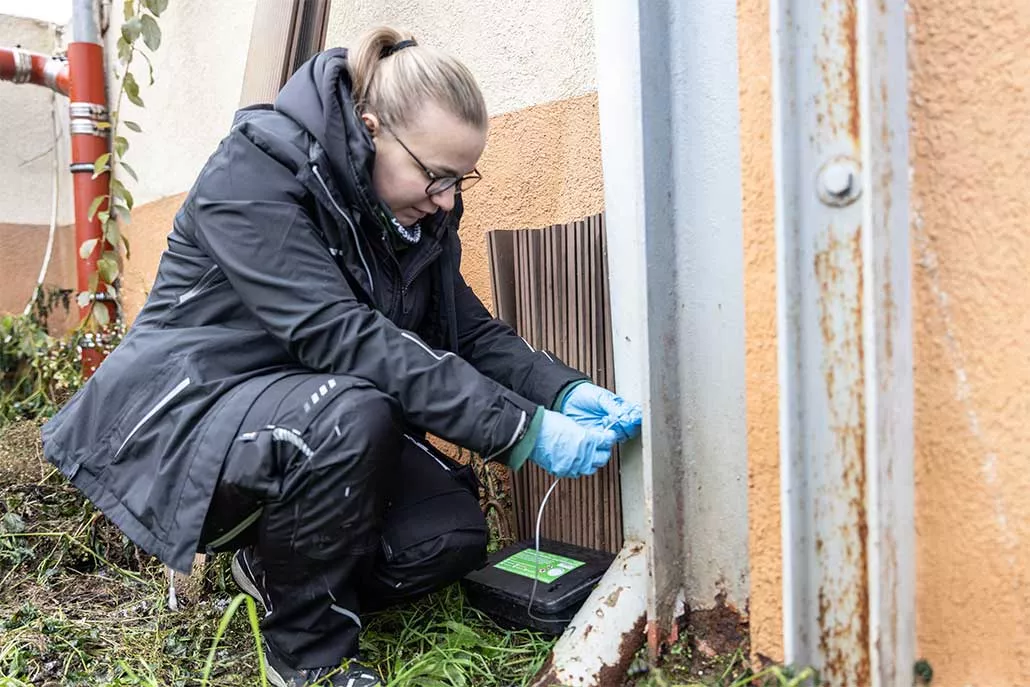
column 523, row 52
column 970, row 141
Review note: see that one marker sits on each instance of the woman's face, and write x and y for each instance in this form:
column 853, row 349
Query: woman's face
column 445, row 144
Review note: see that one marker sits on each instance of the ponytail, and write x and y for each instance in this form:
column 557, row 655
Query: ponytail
column 392, row 76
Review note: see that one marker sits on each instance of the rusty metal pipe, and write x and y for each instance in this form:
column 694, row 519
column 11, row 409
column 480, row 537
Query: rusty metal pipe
column 23, row 66
column 598, row 646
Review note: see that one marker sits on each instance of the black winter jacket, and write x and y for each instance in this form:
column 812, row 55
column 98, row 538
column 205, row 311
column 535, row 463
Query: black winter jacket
column 276, row 264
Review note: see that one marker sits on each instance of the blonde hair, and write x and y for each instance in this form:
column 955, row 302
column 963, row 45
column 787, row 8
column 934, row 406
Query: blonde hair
column 393, row 85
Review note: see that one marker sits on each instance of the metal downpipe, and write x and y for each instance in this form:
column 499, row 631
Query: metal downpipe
column 89, row 140
column 23, row 66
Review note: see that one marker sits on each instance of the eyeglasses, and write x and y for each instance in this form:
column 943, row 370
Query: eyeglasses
column 439, row 184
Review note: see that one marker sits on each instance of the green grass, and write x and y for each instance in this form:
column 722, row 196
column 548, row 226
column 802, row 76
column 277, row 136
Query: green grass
column 80, row 605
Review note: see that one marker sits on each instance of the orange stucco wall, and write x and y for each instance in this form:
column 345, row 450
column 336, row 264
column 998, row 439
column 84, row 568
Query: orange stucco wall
column 760, row 327
column 970, row 142
column 970, row 137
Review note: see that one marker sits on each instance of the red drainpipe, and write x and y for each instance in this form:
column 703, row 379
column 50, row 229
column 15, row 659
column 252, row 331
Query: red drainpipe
column 82, row 79
column 22, row 66
column 87, row 109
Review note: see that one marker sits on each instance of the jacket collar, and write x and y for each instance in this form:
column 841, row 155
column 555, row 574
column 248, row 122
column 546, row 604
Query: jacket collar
column 318, row 97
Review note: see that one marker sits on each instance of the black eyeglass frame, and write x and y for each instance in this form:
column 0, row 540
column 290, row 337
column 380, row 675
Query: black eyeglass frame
column 443, row 183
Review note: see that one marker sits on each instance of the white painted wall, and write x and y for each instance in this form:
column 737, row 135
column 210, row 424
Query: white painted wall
column 198, row 73
column 50, row 11
column 523, row 52
column 27, row 135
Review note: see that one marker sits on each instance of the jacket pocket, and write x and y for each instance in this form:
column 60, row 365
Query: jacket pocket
column 209, row 280
column 152, row 412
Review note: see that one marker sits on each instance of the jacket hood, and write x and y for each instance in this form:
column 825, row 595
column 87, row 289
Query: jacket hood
column 318, row 97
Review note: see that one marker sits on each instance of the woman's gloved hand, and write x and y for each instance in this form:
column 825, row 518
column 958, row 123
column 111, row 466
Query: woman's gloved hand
column 567, row 449
column 597, row 408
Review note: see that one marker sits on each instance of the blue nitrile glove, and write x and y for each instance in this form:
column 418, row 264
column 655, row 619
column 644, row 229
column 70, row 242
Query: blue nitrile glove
column 598, row 408
column 567, row 449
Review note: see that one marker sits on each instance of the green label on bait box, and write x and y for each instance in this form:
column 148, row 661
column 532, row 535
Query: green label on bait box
column 545, row 567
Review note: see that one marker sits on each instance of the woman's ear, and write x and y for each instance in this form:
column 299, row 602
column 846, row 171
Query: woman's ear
column 371, row 123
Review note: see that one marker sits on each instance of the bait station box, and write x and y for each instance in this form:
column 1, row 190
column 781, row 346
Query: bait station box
column 565, row 575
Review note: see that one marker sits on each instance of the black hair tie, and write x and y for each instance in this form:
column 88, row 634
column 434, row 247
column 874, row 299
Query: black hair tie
column 397, row 47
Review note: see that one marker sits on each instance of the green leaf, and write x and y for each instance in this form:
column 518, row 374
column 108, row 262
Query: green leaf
column 128, row 249
column 113, row 234
column 101, row 314
column 124, row 50
column 95, row 205
column 102, row 125
column 121, row 146
column 122, row 215
column 156, row 6
column 84, row 299
column 133, row 126
column 131, row 29
column 104, row 217
column 107, row 269
column 102, row 165
column 129, row 9
column 118, row 189
column 130, row 170
column 151, row 32
column 94, row 281
column 132, row 89
column 13, row 523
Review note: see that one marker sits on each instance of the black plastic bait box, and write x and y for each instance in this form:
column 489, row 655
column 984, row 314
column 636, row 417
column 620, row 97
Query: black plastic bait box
column 566, row 574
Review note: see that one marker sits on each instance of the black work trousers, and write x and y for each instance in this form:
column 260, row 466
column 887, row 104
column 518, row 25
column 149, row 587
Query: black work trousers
column 344, row 510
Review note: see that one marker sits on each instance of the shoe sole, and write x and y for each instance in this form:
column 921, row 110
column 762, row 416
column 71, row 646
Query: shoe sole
column 274, row 678
column 244, row 582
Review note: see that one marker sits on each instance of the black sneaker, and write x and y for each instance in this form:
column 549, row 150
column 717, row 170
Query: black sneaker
column 352, row 674
column 247, row 578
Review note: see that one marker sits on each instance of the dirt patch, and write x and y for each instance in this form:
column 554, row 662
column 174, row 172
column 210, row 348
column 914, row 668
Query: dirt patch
column 699, row 657
column 712, row 650
column 21, row 453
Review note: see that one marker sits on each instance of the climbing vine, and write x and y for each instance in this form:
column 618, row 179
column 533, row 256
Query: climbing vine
column 140, row 29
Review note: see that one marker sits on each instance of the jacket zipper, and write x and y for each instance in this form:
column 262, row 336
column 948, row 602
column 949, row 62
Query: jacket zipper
column 165, row 400
column 414, row 274
column 350, row 223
